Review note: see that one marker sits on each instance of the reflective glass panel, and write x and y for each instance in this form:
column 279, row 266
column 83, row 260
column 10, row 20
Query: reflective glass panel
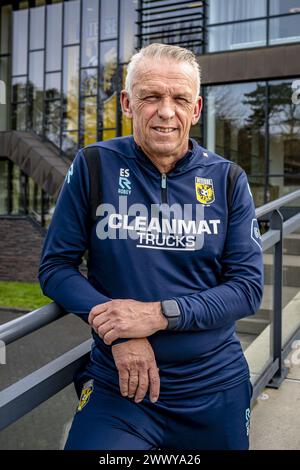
column 5, row 29
column 3, row 186
column 35, row 89
column 128, row 29
column 52, row 121
column 285, row 29
column 4, row 92
column 259, row 352
column 71, row 22
column 89, row 82
column 235, row 124
column 70, row 87
column 126, row 122
column 16, row 192
column 19, row 117
column 221, row 11
column 284, row 139
column 237, row 36
column 70, row 143
column 109, row 134
column 36, row 70
column 53, row 85
column 89, row 52
column 20, row 29
column 278, row 7
column 53, row 38
column 19, row 89
column 108, row 76
column 37, row 28
column 90, row 120
column 109, row 19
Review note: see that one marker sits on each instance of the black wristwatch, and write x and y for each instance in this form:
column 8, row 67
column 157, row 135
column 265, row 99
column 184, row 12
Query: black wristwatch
column 171, row 311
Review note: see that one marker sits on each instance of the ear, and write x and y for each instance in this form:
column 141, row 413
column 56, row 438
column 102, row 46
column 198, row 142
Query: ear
column 197, row 110
column 125, row 104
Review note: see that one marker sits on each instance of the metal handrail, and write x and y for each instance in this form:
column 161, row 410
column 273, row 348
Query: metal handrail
column 16, row 329
column 24, row 395
column 277, row 204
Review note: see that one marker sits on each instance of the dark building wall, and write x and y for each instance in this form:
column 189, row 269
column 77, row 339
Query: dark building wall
column 21, row 242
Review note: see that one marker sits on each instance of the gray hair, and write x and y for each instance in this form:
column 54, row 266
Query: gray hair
column 162, row 51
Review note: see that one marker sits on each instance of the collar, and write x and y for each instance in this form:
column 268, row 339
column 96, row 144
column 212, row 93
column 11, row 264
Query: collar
column 180, row 165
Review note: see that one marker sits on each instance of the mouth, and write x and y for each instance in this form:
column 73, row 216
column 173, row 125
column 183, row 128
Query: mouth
column 164, row 130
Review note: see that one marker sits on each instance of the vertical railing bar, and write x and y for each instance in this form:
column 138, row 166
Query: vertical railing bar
column 276, row 223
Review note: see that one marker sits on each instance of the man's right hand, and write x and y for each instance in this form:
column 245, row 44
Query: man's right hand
column 137, row 368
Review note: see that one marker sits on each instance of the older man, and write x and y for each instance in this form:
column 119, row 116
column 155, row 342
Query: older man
column 174, row 260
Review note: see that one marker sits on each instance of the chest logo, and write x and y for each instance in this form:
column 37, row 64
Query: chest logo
column 124, row 182
column 205, row 193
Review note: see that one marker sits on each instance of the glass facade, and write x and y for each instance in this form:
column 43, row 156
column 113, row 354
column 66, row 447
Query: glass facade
column 67, row 58
column 20, row 195
column 241, row 24
column 63, row 65
column 257, row 125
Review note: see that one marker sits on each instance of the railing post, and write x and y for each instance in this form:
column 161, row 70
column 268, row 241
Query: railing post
column 276, row 223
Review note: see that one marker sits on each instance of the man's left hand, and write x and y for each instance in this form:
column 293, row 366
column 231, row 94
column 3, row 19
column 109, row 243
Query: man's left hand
column 126, row 318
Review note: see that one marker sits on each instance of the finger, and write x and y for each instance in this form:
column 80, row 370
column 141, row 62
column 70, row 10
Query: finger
column 103, row 329
column 101, row 319
column 154, row 380
column 111, row 336
column 97, row 310
column 123, row 382
column 133, row 382
column 142, row 386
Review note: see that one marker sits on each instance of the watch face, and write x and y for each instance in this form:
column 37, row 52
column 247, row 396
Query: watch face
column 170, row 309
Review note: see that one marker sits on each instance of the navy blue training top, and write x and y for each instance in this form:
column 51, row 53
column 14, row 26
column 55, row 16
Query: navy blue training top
column 161, row 237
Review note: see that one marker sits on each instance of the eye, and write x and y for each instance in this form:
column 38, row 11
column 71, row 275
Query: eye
column 151, row 98
column 181, row 99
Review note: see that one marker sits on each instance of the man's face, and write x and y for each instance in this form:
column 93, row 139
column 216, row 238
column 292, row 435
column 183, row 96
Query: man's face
column 164, row 103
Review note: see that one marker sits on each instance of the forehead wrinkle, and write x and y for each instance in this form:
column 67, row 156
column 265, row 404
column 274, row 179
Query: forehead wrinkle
column 148, row 74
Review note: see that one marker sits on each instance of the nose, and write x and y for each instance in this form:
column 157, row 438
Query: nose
column 166, row 109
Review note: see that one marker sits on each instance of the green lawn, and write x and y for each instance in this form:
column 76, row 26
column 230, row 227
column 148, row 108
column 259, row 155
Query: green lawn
column 27, row 295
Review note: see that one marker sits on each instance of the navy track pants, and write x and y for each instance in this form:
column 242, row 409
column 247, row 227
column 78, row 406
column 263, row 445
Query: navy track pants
column 107, row 421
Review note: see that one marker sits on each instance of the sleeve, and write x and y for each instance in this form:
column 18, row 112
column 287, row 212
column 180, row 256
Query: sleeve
column 66, row 242
column 240, row 292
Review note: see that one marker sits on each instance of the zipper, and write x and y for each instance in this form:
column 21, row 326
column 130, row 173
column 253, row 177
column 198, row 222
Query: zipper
column 163, row 187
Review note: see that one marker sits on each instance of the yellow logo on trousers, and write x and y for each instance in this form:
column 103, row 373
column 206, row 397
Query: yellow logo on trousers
column 85, row 394
column 204, row 190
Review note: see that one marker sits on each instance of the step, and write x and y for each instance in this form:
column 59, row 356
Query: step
column 251, row 325
column 258, row 353
column 291, row 244
column 246, row 340
column 290, row 270
column 255, row 324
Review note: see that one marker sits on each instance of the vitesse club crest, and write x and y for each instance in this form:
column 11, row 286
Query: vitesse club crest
column 85, row 394
column 204, row 190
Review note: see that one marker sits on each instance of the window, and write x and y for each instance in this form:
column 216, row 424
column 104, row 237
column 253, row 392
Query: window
column 35, row 90
column 89, row 45
column 235, row 127
column 70, row 87
column 20, row 33
column 71, row 22
column 53, row 38
column 37, row 28
column 237, row 36
column 109, row 19
column 284, row 135
column 285, row 29
column 220, row 11
column 236, row 24
column 5, row 29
